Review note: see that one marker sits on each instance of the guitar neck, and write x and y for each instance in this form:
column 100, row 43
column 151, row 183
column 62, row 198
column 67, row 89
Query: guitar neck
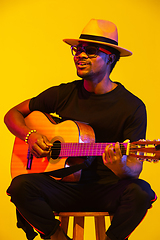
column 86, row 149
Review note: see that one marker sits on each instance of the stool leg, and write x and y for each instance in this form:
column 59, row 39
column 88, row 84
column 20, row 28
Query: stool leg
column 111, row 217
column 100, row 227
column 64, row 223
column 78, row 228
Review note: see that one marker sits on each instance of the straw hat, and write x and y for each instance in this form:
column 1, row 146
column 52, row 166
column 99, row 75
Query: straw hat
column 101, row 32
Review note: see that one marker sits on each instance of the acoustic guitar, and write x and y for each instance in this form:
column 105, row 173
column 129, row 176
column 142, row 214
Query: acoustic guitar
column 72, row 142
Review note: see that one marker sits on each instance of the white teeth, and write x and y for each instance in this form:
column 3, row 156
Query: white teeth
column 81, row 64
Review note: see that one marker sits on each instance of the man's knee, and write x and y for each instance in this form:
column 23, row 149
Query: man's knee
column 139, row 198
column 18, row 187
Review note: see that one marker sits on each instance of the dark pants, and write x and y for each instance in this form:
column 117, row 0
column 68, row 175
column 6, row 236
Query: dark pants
column 36, row 196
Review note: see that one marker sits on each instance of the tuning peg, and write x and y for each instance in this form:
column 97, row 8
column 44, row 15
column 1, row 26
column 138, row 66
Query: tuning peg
column 149, row 160
column 155, row 160
column 141, row 159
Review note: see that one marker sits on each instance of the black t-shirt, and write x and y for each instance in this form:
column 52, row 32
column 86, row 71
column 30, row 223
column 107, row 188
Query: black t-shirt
column 115, row 116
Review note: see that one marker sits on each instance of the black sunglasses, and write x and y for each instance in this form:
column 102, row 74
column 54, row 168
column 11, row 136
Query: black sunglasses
column 91, row 51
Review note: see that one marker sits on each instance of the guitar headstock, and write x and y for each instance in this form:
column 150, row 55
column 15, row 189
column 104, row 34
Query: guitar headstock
column 146, row 150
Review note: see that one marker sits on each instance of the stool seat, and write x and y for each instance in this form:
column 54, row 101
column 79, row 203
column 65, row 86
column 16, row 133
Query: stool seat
column 78, row 223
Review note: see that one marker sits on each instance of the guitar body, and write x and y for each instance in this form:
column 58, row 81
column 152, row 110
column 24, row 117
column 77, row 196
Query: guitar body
column 67, row 131
column 67, row 137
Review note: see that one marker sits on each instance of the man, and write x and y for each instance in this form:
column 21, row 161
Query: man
column 111, row 182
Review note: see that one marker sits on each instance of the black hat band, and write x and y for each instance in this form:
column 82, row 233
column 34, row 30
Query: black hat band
column 98, row 38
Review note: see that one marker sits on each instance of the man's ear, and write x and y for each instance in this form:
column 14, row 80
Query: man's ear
column 112, row 58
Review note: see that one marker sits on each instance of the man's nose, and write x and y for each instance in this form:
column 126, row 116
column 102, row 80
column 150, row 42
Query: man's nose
column 82, row 54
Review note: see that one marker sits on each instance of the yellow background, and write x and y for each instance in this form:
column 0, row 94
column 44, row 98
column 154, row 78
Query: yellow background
column 33, row 57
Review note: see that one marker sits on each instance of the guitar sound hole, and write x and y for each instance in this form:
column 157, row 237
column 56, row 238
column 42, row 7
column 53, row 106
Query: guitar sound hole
column 55, row 150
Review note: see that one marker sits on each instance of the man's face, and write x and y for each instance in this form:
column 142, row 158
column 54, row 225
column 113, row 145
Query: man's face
column 88, row 66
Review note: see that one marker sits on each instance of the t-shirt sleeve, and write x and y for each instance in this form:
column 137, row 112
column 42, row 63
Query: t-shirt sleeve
column 136, row 125
column 45, row 101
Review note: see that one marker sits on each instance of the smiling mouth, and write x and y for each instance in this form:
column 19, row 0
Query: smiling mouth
column 82, row 64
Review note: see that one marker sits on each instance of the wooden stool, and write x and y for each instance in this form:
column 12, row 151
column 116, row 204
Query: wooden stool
column 78, row 224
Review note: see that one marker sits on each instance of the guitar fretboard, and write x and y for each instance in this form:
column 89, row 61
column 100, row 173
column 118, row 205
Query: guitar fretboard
column 85, row 149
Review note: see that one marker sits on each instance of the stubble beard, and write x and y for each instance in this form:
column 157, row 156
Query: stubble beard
column 86, row 76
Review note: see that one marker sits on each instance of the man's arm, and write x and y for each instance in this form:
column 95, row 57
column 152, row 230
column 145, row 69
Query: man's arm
column 15, row 121
column 123, row 166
